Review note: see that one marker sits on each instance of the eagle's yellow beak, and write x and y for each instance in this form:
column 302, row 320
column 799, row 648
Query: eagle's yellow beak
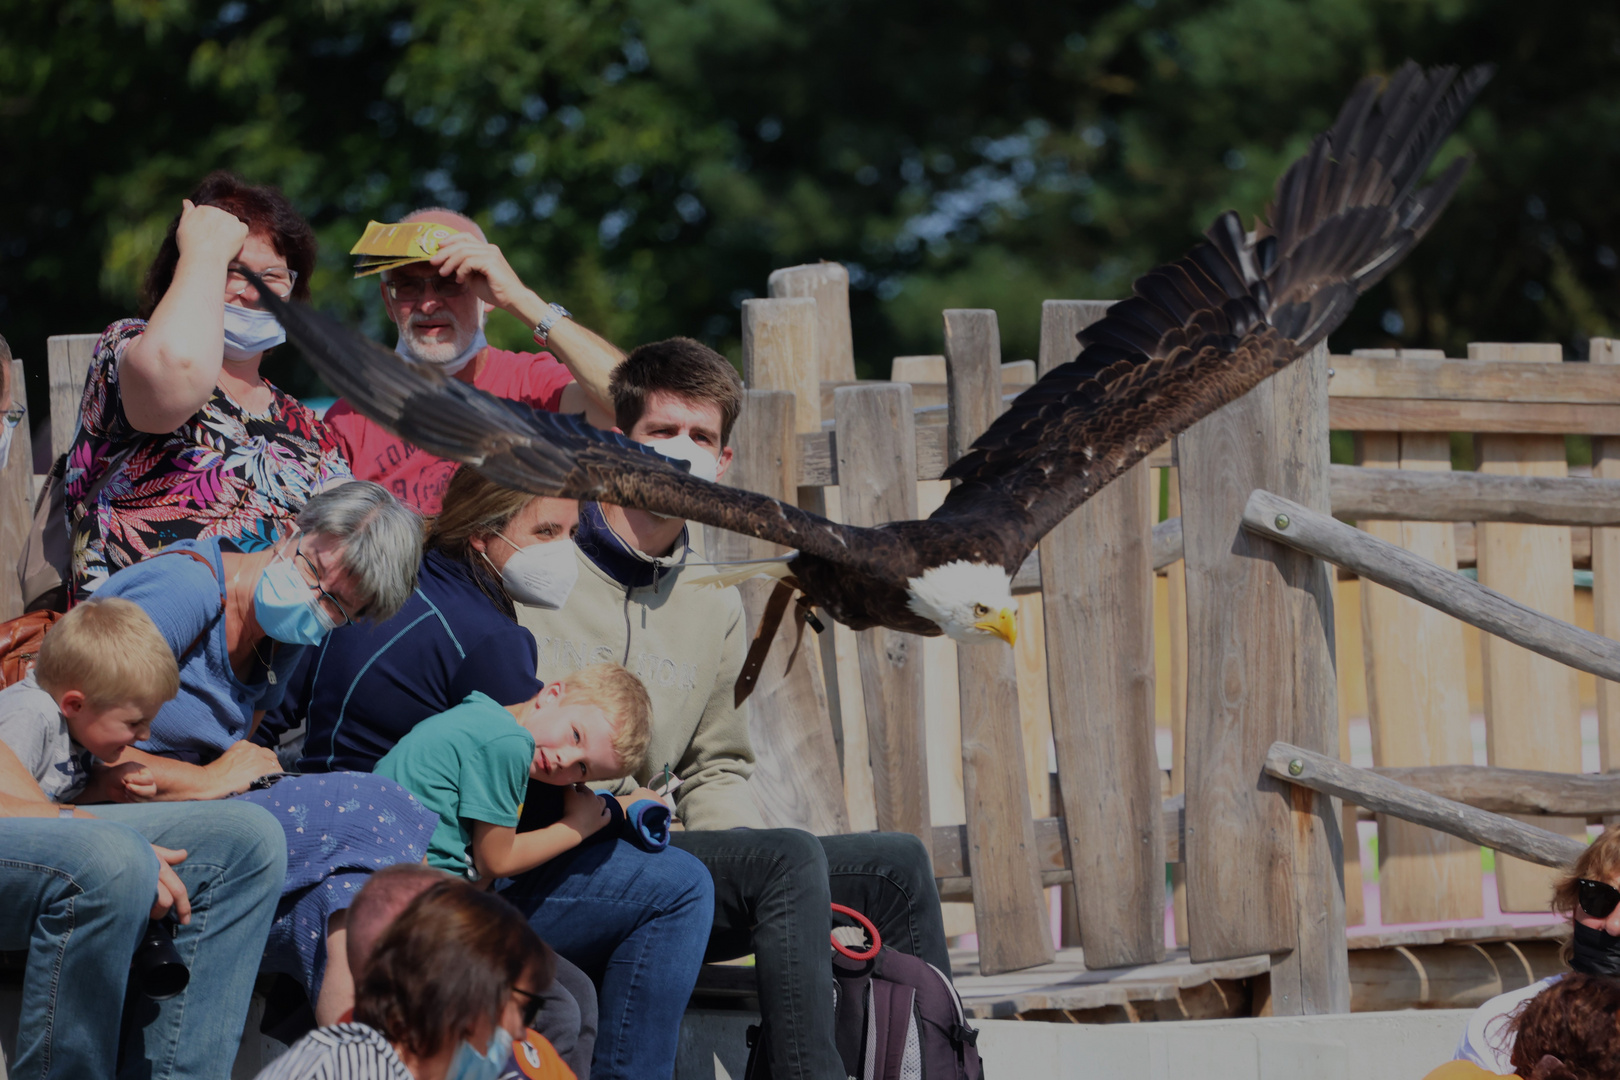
column 1004, row 625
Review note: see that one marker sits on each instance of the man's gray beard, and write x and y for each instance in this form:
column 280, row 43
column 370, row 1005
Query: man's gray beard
column 434, row 352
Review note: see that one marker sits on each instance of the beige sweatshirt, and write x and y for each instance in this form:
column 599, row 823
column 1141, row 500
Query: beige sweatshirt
column 686, row 643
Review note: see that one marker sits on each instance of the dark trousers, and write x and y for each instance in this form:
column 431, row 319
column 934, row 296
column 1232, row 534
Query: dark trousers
column 772, row 888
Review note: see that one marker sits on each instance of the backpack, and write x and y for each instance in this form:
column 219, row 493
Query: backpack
column 895, row 1017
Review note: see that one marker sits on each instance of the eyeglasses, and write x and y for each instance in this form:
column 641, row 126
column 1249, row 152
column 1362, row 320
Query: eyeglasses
column 531, row 1005
column 14, row 415
column 412, row 289
column 328, row 603
column 278, row 279
column 1597, row 898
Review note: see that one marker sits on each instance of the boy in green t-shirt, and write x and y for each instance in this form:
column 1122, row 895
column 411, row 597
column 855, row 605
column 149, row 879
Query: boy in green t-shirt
column 471, row 765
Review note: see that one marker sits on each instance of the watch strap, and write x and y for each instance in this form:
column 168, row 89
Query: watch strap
column 542, row 329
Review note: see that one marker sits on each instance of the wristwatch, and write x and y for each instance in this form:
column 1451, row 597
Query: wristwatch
column 542, row 329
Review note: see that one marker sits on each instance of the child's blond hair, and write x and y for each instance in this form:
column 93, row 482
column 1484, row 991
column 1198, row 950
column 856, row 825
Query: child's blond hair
column 624, row 701
column 111, row 652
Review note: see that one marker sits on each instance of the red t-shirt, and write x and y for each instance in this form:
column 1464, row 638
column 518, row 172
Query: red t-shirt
column 417, row 477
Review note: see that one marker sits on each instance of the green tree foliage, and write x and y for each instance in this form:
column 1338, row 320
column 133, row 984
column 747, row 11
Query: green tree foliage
column 648, row 162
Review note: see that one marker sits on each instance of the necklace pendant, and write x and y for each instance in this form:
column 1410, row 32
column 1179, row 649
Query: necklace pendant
column 270, row 677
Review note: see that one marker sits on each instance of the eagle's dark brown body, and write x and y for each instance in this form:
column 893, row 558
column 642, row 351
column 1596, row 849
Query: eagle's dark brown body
column 1197, row 334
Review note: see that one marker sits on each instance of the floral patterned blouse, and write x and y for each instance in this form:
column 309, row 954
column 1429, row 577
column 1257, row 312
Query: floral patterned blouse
column 225, row 472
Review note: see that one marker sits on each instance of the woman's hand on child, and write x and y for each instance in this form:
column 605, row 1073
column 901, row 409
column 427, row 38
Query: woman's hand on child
column 239, row 766
column 584, row 810
column 171, row 891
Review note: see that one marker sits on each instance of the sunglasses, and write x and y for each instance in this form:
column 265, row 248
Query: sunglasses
column 531, row 1006
column 1597, row 898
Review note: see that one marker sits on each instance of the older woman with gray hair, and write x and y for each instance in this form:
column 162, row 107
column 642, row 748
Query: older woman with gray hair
column 237, row 623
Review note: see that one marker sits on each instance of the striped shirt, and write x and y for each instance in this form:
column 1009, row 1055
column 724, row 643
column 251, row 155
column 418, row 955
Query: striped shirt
column 345, row 1052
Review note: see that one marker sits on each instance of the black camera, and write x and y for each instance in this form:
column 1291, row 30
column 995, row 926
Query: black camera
column 157, row 967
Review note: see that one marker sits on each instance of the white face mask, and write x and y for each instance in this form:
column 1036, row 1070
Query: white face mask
column 249, row 331
column 540, row 575
column 705, row 466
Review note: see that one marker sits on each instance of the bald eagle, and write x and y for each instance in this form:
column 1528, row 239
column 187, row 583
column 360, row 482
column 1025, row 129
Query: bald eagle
column 1197, row 333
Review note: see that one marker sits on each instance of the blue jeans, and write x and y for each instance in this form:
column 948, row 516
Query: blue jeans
column 76, row 895
column 635, row 922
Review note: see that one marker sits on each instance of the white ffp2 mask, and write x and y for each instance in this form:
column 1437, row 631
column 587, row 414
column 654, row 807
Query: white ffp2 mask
column 541, row 575
column 705, row 466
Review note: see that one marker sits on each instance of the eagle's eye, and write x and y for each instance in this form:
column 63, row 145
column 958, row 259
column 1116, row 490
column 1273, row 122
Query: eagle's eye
column 980, row 611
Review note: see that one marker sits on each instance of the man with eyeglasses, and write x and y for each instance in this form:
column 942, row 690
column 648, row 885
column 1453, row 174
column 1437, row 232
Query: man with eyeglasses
column 439, row 308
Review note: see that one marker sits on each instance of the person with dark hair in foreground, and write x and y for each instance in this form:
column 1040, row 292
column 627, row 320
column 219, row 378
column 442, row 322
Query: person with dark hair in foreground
column 686, row 641
column 175, row 415
column 566, row 1022
column 1589, row 894
column 447, row 991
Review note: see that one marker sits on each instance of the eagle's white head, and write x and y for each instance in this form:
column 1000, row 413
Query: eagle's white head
column 972, row 602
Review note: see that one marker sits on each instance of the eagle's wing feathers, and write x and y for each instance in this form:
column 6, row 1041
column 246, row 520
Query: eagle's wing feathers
column 1202, row 331
column 547, row 453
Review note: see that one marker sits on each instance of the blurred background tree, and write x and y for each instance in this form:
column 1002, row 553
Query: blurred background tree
column 648, row 162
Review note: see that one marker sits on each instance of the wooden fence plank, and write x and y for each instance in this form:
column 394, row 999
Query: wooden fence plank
column 1490, row 417
column 779, row 353
column 1532, row 703
column 818, row 454
column 1515, row 791
column 1438, row 494
column 827, row 284
column 1606, row 573
column 68, row 358
column 1417, row 700
column 875, row 424
column 1008, row 905
column 1263, row 861
column 787, row 722
column 1432, row 377
column 16, row 490
column 1176, row 610
column 1097, row 590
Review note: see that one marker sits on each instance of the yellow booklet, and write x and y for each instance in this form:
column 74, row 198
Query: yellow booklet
column 383, row 247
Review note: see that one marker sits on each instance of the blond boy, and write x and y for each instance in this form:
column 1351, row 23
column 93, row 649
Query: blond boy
column 472, row 765
column 103, row 672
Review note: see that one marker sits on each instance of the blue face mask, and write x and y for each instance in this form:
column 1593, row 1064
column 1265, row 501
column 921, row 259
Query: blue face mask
column 287, row 608
column 249, row 332
column 469, row 1064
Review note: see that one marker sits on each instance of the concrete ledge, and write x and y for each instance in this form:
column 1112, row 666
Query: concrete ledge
column 1388, row 1046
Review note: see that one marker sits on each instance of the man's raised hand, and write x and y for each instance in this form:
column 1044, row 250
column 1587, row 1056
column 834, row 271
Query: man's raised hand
column 483, row 268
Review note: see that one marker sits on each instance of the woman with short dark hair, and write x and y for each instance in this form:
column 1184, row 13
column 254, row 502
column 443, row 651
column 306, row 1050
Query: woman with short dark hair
column 449, row 986
column 180, row 437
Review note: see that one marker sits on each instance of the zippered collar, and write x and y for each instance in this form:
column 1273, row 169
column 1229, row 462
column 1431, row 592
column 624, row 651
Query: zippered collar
column 609, row 552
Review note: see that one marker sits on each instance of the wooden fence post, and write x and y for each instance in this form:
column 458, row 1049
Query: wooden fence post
column 877, row 469
column 1097, row 590
column 779, row 353
column 787, row 717
column 1606, row 575
column 16, row 491
column 1532, row 703
column 1263, row 861
column 827, row 284
column 1008, row 902
column 68, row 359
column 1417, row 691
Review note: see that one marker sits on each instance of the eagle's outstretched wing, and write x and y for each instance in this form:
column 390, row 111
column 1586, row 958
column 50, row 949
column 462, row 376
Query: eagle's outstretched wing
column 547, row 453
column 1204, row 330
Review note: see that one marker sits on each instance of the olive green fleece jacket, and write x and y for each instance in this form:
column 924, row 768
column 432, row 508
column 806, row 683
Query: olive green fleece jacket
column 686, row 643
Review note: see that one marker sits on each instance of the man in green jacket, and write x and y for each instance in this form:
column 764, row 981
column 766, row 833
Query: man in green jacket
column 687, row 642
